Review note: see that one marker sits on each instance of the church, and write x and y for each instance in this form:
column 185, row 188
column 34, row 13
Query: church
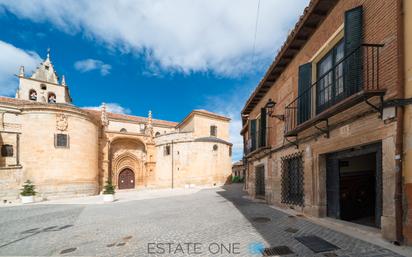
column 71, row 151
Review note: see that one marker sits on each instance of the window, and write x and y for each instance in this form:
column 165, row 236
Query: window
column 61, row 140
column 292, row 179
column 215, row 147
column 47, row 67
column 157, row 134
column 43, row 86
column 51, row 98
column 230, row 151
column 213, row 131
column 166, row 150
column 330, row 77
column 33, row 95
column 123, row 130
column 6, row 150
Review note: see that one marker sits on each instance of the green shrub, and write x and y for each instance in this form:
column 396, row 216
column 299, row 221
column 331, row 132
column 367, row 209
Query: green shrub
column 109, row 188
column 235, row 179
column 28, row 189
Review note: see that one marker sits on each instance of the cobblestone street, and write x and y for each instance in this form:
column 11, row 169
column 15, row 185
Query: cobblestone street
column 210, row 220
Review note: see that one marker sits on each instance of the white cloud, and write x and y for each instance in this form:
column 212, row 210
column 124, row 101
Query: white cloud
column 111, row 107
column 180, row 35
column 92, row 64
column 10, row 61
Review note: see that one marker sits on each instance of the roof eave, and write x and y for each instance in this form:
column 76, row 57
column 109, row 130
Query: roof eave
column 304, row 28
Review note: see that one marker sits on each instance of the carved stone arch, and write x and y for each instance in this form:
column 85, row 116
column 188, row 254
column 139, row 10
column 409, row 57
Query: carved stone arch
column 130, row 161
column 125, row 138
column 125, row 160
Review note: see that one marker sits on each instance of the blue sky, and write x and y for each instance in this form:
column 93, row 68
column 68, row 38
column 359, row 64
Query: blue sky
column 166, row 56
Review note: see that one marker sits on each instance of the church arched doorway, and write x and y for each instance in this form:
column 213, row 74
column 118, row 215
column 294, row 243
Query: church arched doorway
column 126, row 179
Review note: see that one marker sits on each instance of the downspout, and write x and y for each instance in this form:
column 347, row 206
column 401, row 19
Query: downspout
column 399, row 127
column 172, row 166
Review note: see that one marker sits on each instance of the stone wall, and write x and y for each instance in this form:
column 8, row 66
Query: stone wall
column 54, row 170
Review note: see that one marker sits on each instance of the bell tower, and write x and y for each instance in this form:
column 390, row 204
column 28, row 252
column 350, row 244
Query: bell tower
column 43, row 85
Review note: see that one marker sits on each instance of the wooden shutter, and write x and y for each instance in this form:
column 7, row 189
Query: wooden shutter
column 304, row 92
column 353, row 41
column 262, row 125
column 253, row 134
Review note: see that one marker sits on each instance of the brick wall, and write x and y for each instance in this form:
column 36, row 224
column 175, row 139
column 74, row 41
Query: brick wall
column 380, row 27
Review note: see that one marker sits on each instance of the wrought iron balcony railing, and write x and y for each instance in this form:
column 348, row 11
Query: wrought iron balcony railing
column 355, row 72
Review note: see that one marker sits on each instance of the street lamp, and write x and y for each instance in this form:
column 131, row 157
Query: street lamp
column 270, row 107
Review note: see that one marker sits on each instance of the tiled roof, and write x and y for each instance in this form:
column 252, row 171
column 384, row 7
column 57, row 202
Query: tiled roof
column 125, row 117
column 205, row 113
column 94, row 113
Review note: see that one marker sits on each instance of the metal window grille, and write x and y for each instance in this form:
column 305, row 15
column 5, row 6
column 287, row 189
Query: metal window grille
column 292, row 179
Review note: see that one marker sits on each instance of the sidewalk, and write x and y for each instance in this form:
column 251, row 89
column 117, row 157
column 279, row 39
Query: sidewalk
column 365, row 233
column 120, row 196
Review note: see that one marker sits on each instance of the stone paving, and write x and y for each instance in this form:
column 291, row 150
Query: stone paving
column 209, row 222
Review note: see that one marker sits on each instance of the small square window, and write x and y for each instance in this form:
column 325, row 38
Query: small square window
column 213, row 131
column 6, row 150
column 61, row 141
column 166, row 150
column 43, row 86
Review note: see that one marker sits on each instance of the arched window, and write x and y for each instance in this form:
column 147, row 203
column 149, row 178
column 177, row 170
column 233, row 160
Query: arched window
column 213, row 131
column 33, row 95
column 123, row 130
column 157, row 134
column 51, row 98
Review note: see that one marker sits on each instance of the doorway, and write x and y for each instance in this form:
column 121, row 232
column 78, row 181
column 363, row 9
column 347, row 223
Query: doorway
column 260, row 181
column 126, row 179
column 354, row 185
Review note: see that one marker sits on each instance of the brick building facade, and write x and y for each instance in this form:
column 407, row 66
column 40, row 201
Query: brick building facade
column 322, row 130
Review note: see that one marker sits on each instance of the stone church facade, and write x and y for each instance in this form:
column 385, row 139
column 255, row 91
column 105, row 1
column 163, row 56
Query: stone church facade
column 70, row 151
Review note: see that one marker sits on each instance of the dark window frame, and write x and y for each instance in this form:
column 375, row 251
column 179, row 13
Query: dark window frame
column 213, row 131
column 292, row 179
column 49, row 95
column 327, row 95
column 7, row 150
column 166, row 150
column 30, row 93
column 58, row 143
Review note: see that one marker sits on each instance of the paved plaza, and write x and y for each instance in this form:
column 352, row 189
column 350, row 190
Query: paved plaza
column 206, row 222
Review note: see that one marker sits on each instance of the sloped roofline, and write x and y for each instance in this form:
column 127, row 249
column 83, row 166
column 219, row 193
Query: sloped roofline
column 202, row 113
column 307, row 24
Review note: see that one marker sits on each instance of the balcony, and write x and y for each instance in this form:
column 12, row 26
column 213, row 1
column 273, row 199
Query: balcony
column 352, row 80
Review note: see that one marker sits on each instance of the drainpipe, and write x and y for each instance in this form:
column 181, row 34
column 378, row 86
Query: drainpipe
column 172, row 166
column 399, row 128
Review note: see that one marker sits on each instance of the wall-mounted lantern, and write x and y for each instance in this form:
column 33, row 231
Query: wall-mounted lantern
column 270, row 107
